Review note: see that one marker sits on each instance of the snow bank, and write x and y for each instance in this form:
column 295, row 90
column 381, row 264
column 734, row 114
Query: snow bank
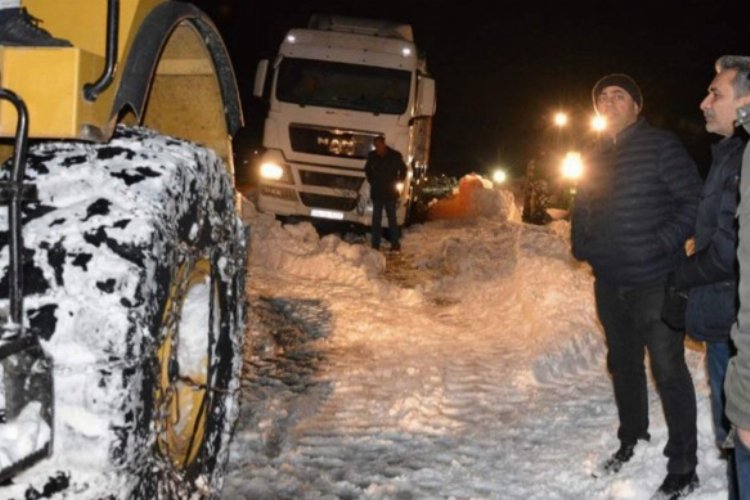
column 297, row 249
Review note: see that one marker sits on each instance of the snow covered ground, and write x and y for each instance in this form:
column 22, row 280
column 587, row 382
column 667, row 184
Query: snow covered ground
column 471, row 366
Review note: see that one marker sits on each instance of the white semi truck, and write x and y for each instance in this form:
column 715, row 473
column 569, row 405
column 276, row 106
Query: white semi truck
column 333, row 88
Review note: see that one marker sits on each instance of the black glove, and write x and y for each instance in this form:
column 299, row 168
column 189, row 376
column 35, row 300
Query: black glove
column 674, row 306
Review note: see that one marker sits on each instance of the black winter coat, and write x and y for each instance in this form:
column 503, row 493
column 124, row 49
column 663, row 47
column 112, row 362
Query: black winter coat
column 383, row 173
column 711, row 273
column 636, row 206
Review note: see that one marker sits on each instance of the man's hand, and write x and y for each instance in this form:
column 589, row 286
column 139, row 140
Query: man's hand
column 690, row 247
column 744, row 435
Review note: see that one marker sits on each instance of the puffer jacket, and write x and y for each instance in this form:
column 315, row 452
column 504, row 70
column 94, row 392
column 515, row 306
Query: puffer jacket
column 711, row 272
column 636, row 206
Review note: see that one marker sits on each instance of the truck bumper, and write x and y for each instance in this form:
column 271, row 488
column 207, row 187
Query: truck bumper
column 285, row 201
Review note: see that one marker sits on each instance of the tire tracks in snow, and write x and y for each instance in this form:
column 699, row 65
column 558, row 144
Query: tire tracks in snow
column 431, row 398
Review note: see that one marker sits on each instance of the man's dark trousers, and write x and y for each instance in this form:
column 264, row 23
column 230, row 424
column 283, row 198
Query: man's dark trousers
column 377, row 222
column 631, row 317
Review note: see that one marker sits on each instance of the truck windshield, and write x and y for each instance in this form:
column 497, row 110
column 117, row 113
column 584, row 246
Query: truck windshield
column 344, row 86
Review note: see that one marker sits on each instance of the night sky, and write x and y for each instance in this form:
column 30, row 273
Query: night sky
column 502, row 68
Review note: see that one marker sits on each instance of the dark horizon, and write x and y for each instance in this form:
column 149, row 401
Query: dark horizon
column 500, row 77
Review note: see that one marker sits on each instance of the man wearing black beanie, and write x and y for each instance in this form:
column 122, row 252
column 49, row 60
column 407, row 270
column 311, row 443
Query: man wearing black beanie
column 619, row 80
column 610, row 102
column 634, row 211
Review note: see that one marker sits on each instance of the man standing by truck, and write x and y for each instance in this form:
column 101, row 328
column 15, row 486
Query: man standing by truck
column 384, row 169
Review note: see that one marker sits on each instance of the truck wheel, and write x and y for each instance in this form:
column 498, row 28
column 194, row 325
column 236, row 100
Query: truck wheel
column 135, row 270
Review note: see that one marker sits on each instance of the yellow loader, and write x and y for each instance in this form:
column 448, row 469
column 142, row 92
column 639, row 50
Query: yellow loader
column 122, row 256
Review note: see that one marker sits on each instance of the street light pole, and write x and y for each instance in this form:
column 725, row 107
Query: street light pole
column 572, row 170
column 560, row 120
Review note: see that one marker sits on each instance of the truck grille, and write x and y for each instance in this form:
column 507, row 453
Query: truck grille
column 330, row 202
column 331, row 142
column 330, row 180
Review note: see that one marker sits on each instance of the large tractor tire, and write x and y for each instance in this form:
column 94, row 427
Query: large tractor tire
column 134, row 269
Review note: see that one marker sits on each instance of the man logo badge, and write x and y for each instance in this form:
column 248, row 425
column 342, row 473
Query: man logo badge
column 338, row 146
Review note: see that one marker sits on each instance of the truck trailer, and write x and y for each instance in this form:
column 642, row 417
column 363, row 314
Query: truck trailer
column 332, row 89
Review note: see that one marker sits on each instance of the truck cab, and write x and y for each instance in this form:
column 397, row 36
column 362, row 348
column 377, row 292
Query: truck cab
column 333, row 87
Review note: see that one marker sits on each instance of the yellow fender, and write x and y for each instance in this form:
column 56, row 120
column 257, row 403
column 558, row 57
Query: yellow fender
column 173, row 74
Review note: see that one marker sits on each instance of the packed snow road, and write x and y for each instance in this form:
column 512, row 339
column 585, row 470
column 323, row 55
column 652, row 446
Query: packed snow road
column 471, row 366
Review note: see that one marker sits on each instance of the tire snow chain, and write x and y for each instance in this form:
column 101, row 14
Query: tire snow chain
column 173, row 322
column 165, row 398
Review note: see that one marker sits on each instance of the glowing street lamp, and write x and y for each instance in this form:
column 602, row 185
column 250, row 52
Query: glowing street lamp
column 560, row 119
column 572, row 166
column 572, row 170
column 598, row 123
column 499, row 176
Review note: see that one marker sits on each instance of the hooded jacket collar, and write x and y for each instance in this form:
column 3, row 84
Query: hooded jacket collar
column 607, row 142
column 628, row 131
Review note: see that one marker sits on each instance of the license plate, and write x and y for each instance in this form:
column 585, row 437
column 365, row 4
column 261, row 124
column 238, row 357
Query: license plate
column 327, row 214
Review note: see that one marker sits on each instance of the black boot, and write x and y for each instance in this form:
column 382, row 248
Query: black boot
column 19, row 29
column 676, row 486
column 614, row 463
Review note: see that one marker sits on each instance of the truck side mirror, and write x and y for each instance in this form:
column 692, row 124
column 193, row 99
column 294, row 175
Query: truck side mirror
column 425, row 96
column 261, row 72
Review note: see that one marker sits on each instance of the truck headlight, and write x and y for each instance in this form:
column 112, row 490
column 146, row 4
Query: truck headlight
column 273, row 172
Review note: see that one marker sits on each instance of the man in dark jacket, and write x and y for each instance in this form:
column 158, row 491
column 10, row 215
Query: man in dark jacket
column 634, row 211
column 711, row 272
column 384, row 169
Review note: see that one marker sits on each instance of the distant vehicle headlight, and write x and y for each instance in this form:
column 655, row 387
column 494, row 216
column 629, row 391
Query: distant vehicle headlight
column 272, row 171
